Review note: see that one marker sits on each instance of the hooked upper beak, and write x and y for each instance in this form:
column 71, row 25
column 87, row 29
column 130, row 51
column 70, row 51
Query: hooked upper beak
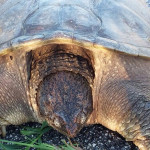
column 72, row 130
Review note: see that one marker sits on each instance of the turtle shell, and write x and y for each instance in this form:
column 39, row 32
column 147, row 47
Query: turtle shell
column 95, row 24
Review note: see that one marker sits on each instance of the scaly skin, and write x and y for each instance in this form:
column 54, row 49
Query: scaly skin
column 14, row 107
column 122, row 96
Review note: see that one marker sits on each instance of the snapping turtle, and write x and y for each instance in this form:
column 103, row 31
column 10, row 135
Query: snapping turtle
column 74, row 63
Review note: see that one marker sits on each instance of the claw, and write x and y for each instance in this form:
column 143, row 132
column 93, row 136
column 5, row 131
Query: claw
column 3, row 131
column 143, row 144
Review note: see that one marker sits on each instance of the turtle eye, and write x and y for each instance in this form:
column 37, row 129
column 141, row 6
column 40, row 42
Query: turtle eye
column 83, row 118
column 57, row 123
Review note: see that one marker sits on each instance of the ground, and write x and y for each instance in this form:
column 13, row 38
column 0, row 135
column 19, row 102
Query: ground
column 94, row 137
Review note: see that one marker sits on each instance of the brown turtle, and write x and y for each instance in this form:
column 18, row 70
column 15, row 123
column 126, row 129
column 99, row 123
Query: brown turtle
column 74, row 63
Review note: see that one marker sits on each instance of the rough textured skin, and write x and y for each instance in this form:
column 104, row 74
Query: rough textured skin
column 12, row 93
column 122, row 96
column 55, row 107
column 41, row 41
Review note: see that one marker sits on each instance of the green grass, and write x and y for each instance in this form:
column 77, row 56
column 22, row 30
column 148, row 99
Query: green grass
column 34, row 142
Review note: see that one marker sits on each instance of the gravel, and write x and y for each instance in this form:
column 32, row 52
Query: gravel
column 95, row 137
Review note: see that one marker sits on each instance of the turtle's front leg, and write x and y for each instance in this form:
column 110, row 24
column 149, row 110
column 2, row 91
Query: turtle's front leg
column 126, row 109
column 14, row 106
column 135, row 122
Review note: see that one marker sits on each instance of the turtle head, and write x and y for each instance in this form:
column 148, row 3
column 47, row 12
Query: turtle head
column 65, row 101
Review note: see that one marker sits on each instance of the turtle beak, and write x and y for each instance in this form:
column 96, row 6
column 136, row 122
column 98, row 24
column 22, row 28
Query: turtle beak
column 72, row 130
column 69, row 126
